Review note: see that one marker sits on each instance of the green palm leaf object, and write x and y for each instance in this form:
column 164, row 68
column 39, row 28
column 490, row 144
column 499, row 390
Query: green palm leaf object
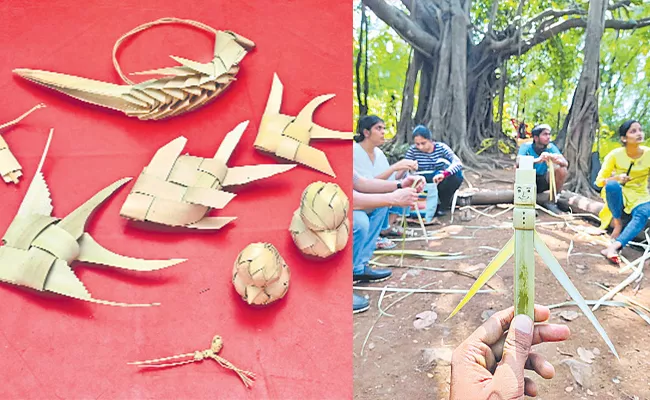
column 521, row 245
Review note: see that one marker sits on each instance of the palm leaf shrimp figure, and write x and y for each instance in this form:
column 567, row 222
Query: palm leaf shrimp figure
column 183, row 88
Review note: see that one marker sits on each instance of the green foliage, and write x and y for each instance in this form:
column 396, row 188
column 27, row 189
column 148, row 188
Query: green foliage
column 388, row 58
column 541, row 82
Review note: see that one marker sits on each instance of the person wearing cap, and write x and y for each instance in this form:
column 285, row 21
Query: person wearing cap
column 624, row 176
column 543, row 151
column 371, row 199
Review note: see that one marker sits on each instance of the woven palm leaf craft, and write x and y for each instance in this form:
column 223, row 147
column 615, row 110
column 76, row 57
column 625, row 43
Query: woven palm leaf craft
column 288, row 137
column 260, row 275
column 10, row 168
column 319, row 227
column 179, row 190
column 39, row 249
column 183, row 88
column 247, row 377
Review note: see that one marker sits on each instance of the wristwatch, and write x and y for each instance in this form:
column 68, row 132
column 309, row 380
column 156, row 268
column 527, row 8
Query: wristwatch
column 399, row 184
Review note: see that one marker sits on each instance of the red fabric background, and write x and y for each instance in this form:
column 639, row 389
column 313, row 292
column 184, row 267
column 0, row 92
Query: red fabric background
column 55, row 347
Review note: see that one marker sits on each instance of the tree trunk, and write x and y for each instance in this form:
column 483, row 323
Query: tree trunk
column 491, row 197
column 582, row 120
column 502, row 93
column 363, row 49
column 457, row 76
column 405, row 124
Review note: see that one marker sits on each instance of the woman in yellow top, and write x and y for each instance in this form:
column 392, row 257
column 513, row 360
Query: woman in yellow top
column 624, row 175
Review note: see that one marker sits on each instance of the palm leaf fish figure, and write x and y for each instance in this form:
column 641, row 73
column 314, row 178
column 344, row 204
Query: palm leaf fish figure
column 39, row 249
column 288, row 137
column 183, row 88
column 178, row 190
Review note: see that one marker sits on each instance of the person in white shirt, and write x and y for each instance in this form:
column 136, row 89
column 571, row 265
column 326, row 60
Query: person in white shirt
column 371, row 162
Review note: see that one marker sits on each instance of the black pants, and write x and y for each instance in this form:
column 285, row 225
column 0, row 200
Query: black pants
column 446, row 188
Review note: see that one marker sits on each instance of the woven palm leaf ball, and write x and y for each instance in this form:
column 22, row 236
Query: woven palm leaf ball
column 260, row 275
column 320, row 226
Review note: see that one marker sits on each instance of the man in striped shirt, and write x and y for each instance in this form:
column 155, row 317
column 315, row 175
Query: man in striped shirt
column 439, row 165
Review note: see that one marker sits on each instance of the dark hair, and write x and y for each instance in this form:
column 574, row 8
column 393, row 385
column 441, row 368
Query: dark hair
column 625, row 126
column 538, row 129
column 366, row 122
column 423, row 131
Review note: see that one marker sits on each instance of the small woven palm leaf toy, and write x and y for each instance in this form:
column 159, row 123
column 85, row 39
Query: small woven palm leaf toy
column 183, row 88
column 198, row 356
column 178, row 190
column 260, row 275
column 320, row 227
column 39, row 249
column 10, row 169
column 288, row 137
column 523, row 245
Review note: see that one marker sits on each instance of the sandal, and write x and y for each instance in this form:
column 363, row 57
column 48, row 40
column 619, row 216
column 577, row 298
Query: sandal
column 384, row 244
column 393, row 231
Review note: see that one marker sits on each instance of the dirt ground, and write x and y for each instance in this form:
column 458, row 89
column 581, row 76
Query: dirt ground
column 400, row 361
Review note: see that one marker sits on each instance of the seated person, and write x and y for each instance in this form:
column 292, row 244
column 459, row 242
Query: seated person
column 440, row 167
column 624, row 175
column 543, row 151
column 371, row 199
column 371, row 162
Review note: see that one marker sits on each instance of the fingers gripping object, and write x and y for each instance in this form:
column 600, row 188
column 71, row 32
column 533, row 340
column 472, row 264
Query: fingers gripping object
column 198, row 356
column 288, row 137
column 260, row 275
column 10, row 169
column 183, row 88
column 39, row 249
column 320, row 227
column 179, row 190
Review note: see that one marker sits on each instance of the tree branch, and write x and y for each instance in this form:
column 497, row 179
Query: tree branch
column 404, row 26
column 620, row 4
column 553, row 14
column 619, row 24
column 509, row 46
column 493, row 15
column 409, row 4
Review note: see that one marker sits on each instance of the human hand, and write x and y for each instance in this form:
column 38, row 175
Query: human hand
column 438, row 178
column 403, row 197
column 415, row 181
column 623, row 179
column 491, row 363
column 405, row 165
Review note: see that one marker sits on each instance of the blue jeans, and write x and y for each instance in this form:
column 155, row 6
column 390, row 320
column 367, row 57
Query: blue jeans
column 365, row 229
column 640, row 213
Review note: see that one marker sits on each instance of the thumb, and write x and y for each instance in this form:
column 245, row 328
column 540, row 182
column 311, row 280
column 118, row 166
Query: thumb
column 518, row 344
